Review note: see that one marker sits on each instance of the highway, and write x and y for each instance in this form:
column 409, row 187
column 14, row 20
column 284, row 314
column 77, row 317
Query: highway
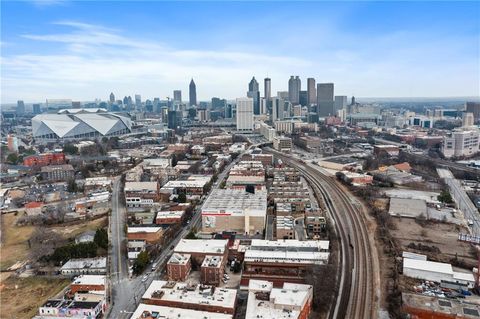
column 358, row 294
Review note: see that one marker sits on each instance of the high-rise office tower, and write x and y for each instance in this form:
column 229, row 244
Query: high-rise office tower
column 36, row 109
column 467, row 119
column 325, row 99
column 112, row 98
column 245, row 114
column 218, row 104
column 125, row 101
column 228, row 111
column 138, row 101
column 192, row 92
column 282, row 95
column 294, row 87
column 174, row 119
column 268, row 88
column 177, row 96
column 278, row 108
column 340, row 102
column 311, row 91
column 20, row 107
column 254, row 93
column 353, row 101
column 473, row 107
column 303, row 98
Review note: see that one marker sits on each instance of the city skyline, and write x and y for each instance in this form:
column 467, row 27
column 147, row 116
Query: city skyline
column 67, row 50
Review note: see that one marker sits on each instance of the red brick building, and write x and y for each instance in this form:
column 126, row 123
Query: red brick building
column 44, row 159
column 179, row 267
column 212, row 270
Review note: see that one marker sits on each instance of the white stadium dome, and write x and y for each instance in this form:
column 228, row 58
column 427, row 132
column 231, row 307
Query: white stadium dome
column 77, row 124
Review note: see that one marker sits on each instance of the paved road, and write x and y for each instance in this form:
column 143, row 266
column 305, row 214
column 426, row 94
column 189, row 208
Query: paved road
column 127, row 292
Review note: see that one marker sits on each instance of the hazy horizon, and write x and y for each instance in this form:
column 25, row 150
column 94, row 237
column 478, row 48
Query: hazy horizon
column 85, row 50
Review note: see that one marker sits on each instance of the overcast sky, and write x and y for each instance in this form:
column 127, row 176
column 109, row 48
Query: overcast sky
column 85, row 50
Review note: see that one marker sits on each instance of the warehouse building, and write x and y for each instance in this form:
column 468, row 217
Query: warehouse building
column 234, row 210
column 435, row 271
column 283, row 260
column 145, row 311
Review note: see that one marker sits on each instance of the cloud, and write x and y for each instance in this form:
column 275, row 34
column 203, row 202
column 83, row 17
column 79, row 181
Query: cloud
column 89, row 61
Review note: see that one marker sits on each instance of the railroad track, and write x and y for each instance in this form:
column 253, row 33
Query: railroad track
column 356, row 298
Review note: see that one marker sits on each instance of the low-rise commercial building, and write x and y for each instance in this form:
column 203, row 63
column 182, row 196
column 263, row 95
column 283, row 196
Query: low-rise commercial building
column 150, row 234
column 234, row 210
column 141, row 194
column 282, row 143
column 191, row 296
column 44, row 159
column 291, row 301
column 193, row 185
column 145, row 311
column 391, row 150
column 283, row 260
column 435, row 271
column 85, row 266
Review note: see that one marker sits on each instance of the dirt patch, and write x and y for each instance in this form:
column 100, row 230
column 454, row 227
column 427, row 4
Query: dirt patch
column 14, row 241
column 70, row 231
column 440, row 235
column 21, row 297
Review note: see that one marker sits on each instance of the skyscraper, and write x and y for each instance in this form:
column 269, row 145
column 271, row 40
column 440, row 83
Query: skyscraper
column 254, row 93
column 112, row 98
column 138, row 101
column 311, row 91
column 473, row 107
column 20, row 107
column 294, row 87
column 340, row 102
column 303, row 98
column 177, row 96
column 268, row 88
column 218, row 103
column 245, row 114
column 325, row 99
column 192, row 93
column 36, row 109
column 278, row 108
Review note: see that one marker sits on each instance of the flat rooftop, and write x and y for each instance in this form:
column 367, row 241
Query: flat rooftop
column 145, row 311
column 179, row 259
column 89, row 280
column 140, row 186
column 288, row 257
column 100, row 262
column 235, row 201
column 290, row 245
column 203, row 246
column 212, row 261
column 191, row 294
column 435, row 305
column 267, row 302
column 153, row 229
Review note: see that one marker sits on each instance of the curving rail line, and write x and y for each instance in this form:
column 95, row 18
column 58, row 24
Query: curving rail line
column 356, row 298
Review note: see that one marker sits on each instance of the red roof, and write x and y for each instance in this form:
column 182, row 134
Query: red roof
column 33, row 205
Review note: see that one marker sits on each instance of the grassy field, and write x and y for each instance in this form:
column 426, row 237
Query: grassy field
column 21, row 297
column 14, row 241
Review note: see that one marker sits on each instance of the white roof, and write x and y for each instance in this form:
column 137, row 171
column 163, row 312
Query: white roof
column 235, row 201
column 179, row 259
column 99, row 262
column 221, row 297
column 286, row 302
column 292, row 243
column 193, row 181
column 304, row 257
column 89, row 280
column 204, row 246
column 212, row 261
column 463, row 276
column 426, row 265
column 170, row 214
column 140, row 186
column 176, row 313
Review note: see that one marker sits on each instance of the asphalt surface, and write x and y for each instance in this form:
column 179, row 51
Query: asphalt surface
column 126, row 291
